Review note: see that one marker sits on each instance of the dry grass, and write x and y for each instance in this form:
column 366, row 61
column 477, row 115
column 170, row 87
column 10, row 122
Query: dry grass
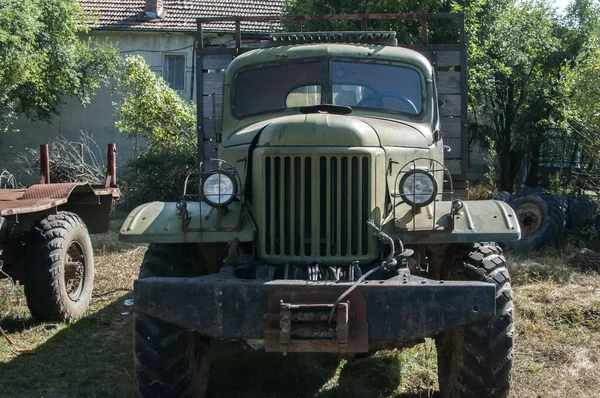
column 557, row 352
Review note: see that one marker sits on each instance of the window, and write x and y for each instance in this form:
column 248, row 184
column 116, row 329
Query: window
column 304, row 96
column 174, row 71
column 377, row 86
column 360, row 85
column 266, row 88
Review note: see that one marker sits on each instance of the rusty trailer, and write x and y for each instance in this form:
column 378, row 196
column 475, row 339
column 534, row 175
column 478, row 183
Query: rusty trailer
column 44, row 241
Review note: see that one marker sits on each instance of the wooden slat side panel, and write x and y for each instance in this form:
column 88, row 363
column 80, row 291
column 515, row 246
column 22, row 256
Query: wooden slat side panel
column 448, row 82
column 455, row 145
column 216, row 61
column 451, row 127
column 450, row 105
column 210, row 128
column 447, row 58
column 454, row 166
column 213, row 83
column 208, row 106
column 442, row 58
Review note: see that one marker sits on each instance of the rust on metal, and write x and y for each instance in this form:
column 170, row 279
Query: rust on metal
column 44, row 165
column 23, row 206
column 111, row 166
column 56, row 191
column 303, row 327
column 11, row 194
column 45, row 196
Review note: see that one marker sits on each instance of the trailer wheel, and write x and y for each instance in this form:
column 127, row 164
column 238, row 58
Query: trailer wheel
column 475, row 360
column 59, row 268
column 542, row 217
column 170, row 361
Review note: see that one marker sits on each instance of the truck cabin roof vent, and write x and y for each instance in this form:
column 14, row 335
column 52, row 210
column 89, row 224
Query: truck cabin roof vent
column 387, row 38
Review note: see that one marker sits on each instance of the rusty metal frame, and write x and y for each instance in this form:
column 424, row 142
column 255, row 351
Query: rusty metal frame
column 47, row 195
column 111, row 166
column 380, row 313
column 364, row 19
column 44, row 164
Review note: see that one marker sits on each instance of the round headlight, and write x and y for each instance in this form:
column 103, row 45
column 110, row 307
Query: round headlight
column 418, row 187
column 219, row 189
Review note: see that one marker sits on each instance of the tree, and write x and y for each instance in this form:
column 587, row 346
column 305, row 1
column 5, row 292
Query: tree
column 581, row 108
column 149, row 108
column 43, row 57
column 408, row 31
column 515, row 60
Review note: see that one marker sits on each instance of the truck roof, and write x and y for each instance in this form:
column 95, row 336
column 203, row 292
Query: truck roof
column 342, row 50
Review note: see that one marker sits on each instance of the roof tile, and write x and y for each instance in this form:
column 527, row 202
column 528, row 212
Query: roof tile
column 180, row 15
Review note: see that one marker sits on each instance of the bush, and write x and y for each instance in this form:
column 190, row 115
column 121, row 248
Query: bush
column 157, row 176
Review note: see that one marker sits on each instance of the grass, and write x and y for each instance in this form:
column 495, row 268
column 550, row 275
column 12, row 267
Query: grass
column 557, row 350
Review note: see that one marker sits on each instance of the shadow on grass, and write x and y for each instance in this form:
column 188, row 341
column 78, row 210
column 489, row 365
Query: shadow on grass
column 247, row 374
column 93, row 358
column 89, row 358
column 14, row 324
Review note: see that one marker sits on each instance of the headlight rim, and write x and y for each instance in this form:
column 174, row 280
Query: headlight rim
column 431, row 177
column 234, row 183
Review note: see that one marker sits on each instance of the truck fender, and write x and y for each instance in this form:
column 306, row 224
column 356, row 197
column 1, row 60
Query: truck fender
column 162, row 222
column 472, row 221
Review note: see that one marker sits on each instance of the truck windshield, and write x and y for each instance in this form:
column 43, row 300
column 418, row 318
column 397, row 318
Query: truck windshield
column 274, row 88
column 377, row 86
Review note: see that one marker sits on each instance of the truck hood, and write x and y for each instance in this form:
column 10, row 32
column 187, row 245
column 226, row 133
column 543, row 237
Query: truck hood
column 325, row 129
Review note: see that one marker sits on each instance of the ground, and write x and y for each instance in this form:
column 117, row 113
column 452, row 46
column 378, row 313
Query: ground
column 557, row 344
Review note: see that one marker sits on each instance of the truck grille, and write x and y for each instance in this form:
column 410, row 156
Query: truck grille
column 316, row 207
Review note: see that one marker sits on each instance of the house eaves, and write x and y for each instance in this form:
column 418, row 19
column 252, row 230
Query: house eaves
column 179, row 15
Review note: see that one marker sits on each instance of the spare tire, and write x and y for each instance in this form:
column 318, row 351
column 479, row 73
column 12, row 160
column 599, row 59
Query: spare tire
column 542, row 217
column 504, row 196
column 580, row 210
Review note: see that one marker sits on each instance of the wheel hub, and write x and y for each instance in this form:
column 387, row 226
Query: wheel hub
column 530, row 218
column 74, row 270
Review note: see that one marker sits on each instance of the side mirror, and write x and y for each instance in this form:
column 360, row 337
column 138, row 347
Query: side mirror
column 437, row 135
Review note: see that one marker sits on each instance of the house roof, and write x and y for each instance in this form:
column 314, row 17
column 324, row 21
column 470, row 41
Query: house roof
column 180, row 15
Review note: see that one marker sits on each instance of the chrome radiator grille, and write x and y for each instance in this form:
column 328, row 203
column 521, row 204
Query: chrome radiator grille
column 315, row 207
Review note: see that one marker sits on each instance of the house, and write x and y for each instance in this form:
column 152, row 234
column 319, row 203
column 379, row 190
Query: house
column 164, row 33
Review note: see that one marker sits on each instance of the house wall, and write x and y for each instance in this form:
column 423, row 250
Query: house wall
column 97, row 117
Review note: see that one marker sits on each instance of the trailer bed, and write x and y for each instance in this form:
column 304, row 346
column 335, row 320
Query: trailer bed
column 40, row 197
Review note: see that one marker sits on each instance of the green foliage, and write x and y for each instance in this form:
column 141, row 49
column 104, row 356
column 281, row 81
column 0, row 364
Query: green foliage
column 408, row 31
column 583, row 87
column 517, row 51
column 157, row 175
column 43, row 58
column 151, row 109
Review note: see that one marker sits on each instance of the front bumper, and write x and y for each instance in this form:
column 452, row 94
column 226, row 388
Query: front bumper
column 291, row 315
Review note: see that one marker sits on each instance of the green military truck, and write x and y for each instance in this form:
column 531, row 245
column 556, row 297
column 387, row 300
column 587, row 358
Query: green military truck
column 330, row 219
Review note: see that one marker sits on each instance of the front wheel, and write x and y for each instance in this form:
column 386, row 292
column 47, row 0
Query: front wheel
column 169, row 360
column 475, row 360
column 59, row 269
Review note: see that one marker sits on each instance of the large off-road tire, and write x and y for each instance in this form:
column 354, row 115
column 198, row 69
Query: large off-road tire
column 59, row 268
column 169, row 360
column 581, row 210
column 542, row 217
column 475, row 360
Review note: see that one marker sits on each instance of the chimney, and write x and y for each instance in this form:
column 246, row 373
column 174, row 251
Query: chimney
column 154, row 9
